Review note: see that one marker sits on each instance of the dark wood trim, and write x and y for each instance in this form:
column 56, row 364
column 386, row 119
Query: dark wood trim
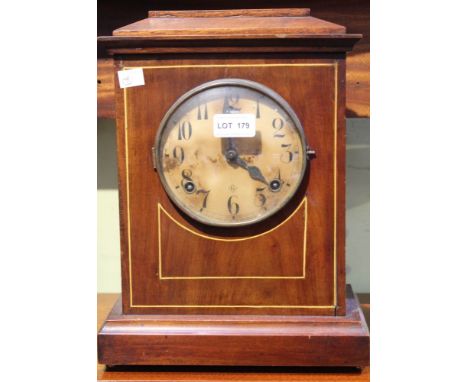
column 239, row 44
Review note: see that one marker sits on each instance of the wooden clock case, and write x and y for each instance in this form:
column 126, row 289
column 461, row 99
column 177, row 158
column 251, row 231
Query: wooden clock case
column 268, row 294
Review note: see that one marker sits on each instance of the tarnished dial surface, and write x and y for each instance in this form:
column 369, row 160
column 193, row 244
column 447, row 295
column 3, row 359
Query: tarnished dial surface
column 230, row 181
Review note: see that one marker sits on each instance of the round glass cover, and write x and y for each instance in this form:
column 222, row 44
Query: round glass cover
column 230, row 152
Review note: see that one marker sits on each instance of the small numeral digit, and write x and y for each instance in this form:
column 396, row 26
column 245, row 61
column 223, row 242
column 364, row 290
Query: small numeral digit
column 233, row 206
column 205, row 112
column 205, row 197
column 260, row 199
column 187, row 182
column 187, row 174
column 287, row 156
column 178, row 153
column 278, row 124
column 185, row 131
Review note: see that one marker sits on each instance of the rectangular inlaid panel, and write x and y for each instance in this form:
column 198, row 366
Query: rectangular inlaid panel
column 212, row 257
column 290, row 264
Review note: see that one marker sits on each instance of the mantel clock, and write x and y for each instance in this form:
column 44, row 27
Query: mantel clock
column 231, row 159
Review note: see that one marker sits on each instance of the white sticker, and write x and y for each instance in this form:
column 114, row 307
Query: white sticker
column 131, row 77
column 234, row 125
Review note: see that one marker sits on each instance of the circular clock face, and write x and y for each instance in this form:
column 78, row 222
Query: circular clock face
column 230, row 152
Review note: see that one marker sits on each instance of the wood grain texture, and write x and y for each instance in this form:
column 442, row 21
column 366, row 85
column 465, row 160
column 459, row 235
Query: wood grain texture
column 235, row 340
column 357, row 84
column 229, row 27
column 141, row 191
column 245, row 32
column 106, row 301
column 272, row 12
column 211, row 258
column 354, row 14
column 340, row 189
column 245, row 374
column 105, row 88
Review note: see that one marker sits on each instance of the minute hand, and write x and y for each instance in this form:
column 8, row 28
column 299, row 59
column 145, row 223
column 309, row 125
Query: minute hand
column 254, row 171
column 227, row 110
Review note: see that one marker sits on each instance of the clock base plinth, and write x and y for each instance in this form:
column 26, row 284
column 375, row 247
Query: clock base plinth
column 236, row 340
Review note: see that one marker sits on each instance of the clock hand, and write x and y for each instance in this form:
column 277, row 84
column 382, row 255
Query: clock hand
column 254, row 172
column 226, row 107
column 231, row 152
column 227, row 110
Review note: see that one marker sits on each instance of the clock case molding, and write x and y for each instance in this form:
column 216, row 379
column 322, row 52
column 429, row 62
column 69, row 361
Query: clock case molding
column 262, row 44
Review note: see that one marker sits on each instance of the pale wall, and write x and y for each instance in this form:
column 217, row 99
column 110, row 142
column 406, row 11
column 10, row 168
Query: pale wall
column 357, row 214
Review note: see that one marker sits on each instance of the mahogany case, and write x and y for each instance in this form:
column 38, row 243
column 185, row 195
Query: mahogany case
column 289, row 267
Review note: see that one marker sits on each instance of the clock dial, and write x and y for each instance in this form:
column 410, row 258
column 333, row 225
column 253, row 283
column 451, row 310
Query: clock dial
column 230, row 181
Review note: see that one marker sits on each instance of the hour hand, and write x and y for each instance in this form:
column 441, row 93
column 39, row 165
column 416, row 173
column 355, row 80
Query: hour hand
column 256, row 174
column 254, row 171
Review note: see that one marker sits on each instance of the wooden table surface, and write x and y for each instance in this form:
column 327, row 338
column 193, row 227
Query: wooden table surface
column 107, row 300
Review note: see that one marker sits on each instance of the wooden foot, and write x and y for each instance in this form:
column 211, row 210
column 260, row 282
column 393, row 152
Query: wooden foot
column 236, row 340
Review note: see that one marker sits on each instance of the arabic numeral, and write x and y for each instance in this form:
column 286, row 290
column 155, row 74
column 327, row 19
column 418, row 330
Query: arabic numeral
column 205, row 197
column 287, row 156
column 278, row 124
column 178, row 153
column 260, row 198
column 185, row 131
column 204, row 114
column 233, row 206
